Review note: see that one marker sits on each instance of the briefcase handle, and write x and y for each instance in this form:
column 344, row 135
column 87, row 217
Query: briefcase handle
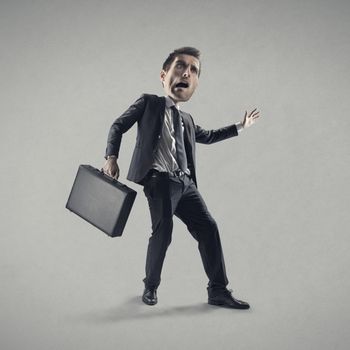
column 107, row 176
column 112, row 179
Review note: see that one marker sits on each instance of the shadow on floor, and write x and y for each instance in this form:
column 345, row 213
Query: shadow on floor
column 134, row 309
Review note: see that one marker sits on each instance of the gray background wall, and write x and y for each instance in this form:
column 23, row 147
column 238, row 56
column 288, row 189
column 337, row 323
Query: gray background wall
column 279, row 191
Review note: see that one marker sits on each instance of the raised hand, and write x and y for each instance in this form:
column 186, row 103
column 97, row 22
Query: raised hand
column 249, row 119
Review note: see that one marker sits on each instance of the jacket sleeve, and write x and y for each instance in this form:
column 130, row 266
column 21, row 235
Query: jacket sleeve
column 123, row 124
column 212, row 136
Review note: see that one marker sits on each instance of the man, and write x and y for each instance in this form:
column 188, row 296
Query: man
column 164, row 163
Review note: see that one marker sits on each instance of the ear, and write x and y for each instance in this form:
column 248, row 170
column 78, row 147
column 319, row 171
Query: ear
column 162, row 75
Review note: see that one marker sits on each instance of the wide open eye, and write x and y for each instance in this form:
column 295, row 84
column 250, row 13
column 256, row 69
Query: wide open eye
column 179, row 65
column 194, row 69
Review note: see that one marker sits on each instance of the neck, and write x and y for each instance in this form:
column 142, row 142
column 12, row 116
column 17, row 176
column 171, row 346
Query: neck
column 176, row 102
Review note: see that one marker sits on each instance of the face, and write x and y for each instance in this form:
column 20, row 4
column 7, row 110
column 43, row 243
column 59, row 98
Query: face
column 181, row 79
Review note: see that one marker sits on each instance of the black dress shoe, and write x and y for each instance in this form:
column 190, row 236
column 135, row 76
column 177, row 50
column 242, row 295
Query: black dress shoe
column 149, row 296
column 224, row 298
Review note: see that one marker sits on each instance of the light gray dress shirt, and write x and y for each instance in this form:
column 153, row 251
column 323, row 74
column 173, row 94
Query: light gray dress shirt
column 165, row 156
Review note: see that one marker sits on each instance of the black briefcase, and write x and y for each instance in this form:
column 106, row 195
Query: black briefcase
column 102, row 201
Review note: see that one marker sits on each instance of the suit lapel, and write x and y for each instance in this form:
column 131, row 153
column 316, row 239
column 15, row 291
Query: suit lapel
column 187, row 127
column 161, row 111
column 187, row 136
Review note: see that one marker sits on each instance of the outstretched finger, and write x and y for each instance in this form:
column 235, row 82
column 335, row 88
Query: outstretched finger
column 252, row 112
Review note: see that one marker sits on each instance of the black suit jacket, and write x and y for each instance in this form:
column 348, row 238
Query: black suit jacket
column 148, row 111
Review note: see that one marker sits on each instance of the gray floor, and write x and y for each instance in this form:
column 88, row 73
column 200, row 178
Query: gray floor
column 279, row 191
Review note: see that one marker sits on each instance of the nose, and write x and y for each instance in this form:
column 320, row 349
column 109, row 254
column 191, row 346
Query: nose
column 187, row 72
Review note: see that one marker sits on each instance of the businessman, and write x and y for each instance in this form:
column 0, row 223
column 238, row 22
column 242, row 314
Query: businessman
column 164, row 162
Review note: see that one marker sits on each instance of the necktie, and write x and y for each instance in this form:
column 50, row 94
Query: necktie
column 179, row 138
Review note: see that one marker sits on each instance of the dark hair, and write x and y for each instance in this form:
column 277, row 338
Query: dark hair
column 187, row 50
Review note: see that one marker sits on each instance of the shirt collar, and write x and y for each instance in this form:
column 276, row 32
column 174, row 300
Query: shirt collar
column 170, row 103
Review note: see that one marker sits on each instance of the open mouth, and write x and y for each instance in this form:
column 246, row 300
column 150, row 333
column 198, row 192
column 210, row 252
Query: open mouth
column 182, row 85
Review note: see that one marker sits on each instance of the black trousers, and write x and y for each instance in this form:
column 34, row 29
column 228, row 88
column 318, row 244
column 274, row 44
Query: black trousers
column 168, row 195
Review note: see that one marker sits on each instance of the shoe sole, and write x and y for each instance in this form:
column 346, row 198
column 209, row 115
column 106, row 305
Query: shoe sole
column 239, row 307
column 149, row 302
